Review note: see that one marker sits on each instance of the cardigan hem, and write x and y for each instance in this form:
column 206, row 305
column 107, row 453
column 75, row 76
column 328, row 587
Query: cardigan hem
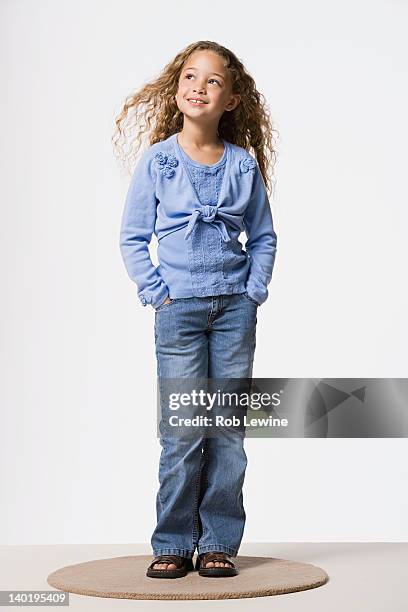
column 210, row 291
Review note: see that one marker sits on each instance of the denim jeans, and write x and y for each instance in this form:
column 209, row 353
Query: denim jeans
column 200, row 502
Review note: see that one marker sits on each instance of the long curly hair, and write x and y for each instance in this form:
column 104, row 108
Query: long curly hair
column 153, row 111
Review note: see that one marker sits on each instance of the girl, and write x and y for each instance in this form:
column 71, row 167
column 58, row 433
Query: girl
column 196, row 187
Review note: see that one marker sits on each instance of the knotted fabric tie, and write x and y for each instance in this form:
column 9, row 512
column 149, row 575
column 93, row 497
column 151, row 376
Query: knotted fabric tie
column 207, row 214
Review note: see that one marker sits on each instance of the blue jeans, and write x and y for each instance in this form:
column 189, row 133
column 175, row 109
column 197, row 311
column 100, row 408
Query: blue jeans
column 200, row 503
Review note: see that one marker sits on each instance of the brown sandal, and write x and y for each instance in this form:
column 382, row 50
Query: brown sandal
column 182, row 564
column 217, row 572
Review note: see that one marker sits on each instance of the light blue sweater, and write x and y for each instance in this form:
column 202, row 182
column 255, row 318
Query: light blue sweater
column 197, row 212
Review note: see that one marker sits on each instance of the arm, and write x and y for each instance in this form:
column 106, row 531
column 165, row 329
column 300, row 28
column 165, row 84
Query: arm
column 137, row 227
column 262, row 240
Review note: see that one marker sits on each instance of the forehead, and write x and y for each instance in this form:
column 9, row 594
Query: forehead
column 206, row 60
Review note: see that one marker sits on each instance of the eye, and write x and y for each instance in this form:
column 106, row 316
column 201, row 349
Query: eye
column 191, row 75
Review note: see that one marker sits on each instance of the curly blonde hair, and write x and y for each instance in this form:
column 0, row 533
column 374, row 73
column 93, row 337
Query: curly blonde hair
column 153, row 110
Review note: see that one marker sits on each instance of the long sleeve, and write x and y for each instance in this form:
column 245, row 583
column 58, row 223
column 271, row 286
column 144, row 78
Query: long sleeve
column 262, row 240
column 137, row 227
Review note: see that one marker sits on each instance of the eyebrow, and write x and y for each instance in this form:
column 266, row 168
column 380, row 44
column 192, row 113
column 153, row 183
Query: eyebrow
column 194, row 68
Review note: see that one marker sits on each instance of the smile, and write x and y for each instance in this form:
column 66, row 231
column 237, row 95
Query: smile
column 196, row 102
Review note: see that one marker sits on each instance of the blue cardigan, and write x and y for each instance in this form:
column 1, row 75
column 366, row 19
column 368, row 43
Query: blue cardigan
column 199, row 250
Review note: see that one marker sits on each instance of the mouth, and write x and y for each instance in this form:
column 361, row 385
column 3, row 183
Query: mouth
column 196, row 101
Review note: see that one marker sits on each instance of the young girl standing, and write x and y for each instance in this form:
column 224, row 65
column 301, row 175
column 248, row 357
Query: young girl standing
column 197, row 188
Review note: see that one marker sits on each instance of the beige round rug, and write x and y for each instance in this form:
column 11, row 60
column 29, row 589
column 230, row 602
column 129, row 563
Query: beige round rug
column 125, row 578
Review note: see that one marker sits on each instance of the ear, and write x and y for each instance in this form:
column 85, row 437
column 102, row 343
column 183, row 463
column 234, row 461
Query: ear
column 233, row 103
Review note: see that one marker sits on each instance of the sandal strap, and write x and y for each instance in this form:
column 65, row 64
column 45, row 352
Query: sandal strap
column 176, row 559
column 215, row 556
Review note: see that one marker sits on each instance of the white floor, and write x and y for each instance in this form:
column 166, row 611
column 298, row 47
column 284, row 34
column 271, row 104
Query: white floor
column 364, row 577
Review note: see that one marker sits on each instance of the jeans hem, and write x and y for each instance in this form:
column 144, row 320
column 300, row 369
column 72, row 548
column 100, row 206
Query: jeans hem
column 233, row 552
column 181, row 552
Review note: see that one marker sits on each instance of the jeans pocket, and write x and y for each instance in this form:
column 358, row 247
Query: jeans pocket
column 245, row 294
column 165, row 305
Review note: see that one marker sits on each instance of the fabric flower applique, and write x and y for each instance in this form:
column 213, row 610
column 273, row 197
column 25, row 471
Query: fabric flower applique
column 247, row 164
column 166, row 163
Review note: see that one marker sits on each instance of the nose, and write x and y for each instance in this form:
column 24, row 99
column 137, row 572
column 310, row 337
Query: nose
column 199, row 89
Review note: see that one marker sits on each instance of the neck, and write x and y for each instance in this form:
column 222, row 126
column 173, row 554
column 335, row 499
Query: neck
column 199, row 137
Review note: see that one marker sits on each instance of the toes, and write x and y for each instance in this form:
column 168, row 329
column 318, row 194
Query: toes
column 218, row 564
column 170, row 566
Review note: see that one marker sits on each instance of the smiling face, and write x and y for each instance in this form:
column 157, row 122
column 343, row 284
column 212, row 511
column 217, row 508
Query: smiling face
column 204, row 91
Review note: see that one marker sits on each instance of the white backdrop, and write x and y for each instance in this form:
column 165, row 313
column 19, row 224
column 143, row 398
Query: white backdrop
column 79, row 453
